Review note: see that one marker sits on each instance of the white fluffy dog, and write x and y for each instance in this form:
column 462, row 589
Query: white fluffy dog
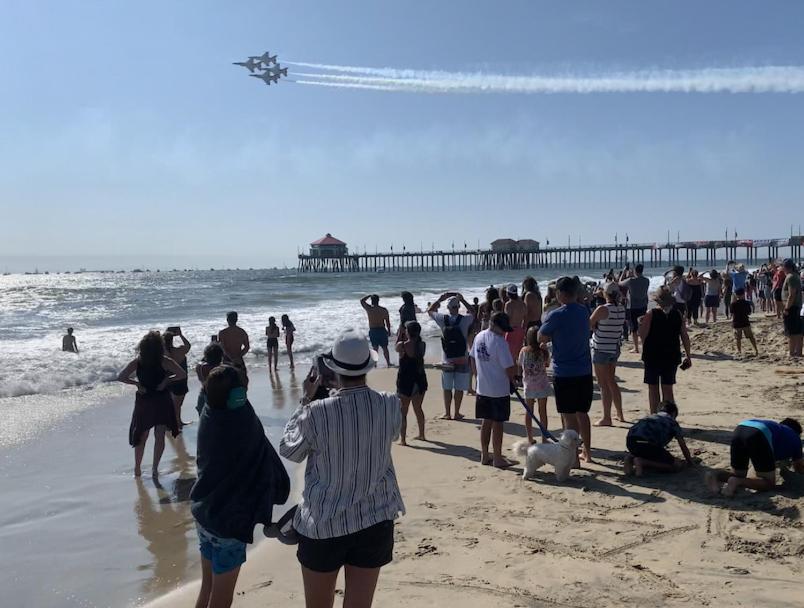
column 561, row 455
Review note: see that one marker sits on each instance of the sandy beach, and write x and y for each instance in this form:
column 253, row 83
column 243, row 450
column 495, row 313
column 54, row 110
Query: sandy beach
column 474, row 535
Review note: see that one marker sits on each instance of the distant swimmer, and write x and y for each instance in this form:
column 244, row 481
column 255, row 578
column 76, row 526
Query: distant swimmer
column 379, row 324
column 68, row 343
column 234, row 341
column 290, row 332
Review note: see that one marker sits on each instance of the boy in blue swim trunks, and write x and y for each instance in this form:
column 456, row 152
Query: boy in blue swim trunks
column 240, row 479
column 763, row 443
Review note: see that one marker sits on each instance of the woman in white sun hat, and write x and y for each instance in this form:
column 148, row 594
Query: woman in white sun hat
column 351, row 497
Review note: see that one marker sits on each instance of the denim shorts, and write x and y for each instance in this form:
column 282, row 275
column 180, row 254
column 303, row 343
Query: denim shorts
column 226, row 554
column 457, row 379
column 603, row 358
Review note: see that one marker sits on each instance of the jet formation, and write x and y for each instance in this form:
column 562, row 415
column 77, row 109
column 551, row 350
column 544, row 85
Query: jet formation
column 265, row 67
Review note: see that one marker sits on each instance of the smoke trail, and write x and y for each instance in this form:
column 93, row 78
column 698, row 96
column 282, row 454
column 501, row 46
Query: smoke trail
column 763, row 79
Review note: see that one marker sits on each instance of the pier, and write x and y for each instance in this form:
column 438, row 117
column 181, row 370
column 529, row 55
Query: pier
column 506, row 254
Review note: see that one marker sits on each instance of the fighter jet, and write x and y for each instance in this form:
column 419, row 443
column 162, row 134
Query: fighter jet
column 277, row 70
column 265, row 58
column 250, row 64
column 267, row 77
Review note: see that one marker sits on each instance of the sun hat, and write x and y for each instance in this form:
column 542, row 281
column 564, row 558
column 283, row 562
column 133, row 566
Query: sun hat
column 501, row 320
column 351, row 354
column 511, row 289
column 453, row 302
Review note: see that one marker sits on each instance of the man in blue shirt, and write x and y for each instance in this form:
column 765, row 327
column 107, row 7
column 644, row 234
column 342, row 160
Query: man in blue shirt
column 567, row 328
column 763, row 443
column 739, row 277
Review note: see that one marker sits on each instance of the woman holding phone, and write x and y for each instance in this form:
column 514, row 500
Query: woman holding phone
column 178, row 388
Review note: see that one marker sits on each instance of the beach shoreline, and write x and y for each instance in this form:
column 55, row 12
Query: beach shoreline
column 473, row 534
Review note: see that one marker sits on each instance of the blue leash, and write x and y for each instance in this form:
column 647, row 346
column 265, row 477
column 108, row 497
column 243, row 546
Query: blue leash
column 545, row 433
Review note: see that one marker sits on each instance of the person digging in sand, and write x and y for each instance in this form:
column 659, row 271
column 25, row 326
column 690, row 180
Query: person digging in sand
column 763, row 443
column 647, row 443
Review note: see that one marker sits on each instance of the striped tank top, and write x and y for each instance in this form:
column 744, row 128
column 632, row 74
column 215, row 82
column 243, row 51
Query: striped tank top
column 608, row 333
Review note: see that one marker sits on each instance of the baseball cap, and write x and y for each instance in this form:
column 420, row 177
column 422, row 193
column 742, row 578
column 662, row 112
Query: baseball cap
column 788, row 263
column 501, row 320
column 511, row 288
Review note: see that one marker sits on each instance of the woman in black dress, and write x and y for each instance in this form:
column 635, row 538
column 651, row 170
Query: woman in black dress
column 151, row 372
column 178, row 388
column 411, row 379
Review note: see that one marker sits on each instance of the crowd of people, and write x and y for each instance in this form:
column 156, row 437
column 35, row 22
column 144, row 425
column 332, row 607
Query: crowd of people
column 552, row 346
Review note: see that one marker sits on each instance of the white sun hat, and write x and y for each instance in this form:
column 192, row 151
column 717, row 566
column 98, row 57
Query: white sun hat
column 351, row 354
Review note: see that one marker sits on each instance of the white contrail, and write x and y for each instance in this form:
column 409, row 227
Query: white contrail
column 762, row 79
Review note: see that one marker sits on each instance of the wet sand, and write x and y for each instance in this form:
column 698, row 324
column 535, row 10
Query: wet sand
column 475, row 536
column 77, row 529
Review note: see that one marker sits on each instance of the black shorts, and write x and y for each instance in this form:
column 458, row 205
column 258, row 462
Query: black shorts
column 681, row 307
column 179, row 388
column 749, row 443
column 792, row 322
column 665, row 374
column 633, row 317
column 777, row 294
column 649, row 451
column 573, row 394
column 712, row 301
column 497, row 409
column 369, row 548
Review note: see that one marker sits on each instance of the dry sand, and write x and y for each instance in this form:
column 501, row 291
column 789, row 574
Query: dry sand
column 474, row 536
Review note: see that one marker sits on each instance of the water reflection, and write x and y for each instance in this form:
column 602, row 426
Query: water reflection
column 165, row 522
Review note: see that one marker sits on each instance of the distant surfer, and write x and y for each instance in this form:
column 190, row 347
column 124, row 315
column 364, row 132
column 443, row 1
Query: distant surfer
column 68, row 343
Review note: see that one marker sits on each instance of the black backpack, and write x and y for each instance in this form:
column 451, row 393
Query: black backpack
column 452, row 339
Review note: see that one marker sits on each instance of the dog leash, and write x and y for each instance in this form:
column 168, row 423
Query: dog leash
column 545, row 433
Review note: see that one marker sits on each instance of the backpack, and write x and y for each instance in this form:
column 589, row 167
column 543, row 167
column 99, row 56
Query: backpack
column 452, row 339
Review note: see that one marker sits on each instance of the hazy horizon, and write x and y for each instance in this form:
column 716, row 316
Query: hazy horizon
column 128, row 132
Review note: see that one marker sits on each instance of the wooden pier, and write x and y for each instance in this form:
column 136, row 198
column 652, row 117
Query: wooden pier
column 700, row 254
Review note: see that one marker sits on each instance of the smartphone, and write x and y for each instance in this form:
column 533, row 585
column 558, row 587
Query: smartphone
column 686, row 364
column 327, row 375
column 214, row 338
column 174, row 329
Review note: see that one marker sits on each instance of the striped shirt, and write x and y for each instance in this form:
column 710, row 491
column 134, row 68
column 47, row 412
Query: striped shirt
column 609, row 332
column 349, row 481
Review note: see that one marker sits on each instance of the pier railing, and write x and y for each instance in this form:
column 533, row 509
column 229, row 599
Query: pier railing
column 583, row 257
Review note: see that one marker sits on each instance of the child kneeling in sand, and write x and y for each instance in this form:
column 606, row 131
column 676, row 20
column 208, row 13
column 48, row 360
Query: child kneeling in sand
column 240, row 479
column 647, row 443
column 763, row 443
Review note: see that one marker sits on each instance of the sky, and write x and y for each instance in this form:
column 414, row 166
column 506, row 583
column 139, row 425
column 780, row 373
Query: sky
column 127, row 134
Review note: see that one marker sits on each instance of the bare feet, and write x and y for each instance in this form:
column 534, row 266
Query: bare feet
column 472, row 391
column 459, row 416
column 446, row 417
column 628, row 464
column 485, row 459
column 403, row 442
column 154, row 472
column 731, row 487
column 603, row 422
column 137, row 472
column 620, row 417
column 712, row 482
column 420, row 438
column 503, row 463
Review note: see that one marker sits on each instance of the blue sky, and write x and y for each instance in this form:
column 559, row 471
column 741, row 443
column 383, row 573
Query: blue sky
column 125, row 130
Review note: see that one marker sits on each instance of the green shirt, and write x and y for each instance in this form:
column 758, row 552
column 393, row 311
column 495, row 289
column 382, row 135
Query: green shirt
column 792, row 283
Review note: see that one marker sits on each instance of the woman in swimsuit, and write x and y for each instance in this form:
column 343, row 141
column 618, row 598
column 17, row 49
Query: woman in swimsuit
column 179, row 388
column 486, row 308
column 272, row 343
column 290, row 329
column 411, row 379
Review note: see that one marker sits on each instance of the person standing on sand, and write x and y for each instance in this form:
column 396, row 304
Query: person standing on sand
column 487, row 307
column 567, row 328
column 235, row 344
column 407, row 312
column 606, row 323
column 763, row 443
column 728, row 290
column 714, row 287
column 517, row 313
column 495, row 368
column 534, row 359
column 151, row 372
column 741, row 321
column 179, row 388
column 68, row 343
column 411, row 379
column 455, row 371
column 791, row 305
column 661, row 329
column 379, row 324
column 351, row 496
column 533, row 302
column 290, row 336
column 695, row 282
column 778, row 280
column 637, row 302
